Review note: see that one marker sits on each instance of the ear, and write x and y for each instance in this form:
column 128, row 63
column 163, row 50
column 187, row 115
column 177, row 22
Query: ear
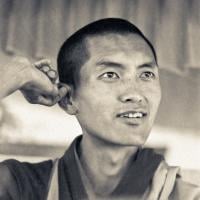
column 66, row 103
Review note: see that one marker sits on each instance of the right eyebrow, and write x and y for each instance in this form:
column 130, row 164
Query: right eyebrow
column 110, row 64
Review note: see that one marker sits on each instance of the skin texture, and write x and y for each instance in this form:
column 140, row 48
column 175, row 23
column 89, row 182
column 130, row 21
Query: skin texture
column 37, row 81
column 121, row 75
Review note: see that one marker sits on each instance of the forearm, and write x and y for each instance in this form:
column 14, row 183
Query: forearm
column 12, row 78
column 37, row 81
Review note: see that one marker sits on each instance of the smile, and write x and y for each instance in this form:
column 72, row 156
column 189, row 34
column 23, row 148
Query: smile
column 132, row 114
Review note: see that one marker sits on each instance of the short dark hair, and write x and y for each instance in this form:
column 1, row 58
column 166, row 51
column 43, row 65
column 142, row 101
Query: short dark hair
column 74, row 53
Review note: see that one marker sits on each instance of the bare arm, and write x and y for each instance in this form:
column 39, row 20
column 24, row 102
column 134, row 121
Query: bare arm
column 37, row 82
column 12, row 76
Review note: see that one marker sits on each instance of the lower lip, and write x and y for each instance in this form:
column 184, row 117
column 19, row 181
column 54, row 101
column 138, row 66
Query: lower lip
column 133, row 121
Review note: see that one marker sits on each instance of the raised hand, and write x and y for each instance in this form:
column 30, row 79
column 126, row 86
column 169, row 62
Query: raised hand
column 42, row 86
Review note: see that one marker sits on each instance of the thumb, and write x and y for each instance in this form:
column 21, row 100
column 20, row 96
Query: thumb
column 63, row 90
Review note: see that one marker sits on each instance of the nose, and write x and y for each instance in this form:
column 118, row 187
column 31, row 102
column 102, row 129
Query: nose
column 132, row 96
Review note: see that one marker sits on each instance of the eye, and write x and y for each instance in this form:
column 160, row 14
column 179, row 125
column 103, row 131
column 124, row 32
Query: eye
column 109, row 75
column 147, row 76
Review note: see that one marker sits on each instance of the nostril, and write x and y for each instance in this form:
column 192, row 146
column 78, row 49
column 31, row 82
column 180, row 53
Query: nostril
column 134, row 100
column 128, row 100
column 131, row 98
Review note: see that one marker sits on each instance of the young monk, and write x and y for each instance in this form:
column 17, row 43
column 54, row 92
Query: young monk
column 110, row 82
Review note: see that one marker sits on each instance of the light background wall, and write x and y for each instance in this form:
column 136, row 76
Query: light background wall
column 37, row 28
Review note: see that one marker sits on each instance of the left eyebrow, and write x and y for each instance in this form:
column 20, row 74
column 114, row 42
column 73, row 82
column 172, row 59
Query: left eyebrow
column 109, row 64
column 148, row 65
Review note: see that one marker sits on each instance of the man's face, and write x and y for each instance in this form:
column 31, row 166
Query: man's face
column 119, row 91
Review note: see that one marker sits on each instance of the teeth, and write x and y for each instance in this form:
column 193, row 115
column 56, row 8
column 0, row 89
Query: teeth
column 133, row 115
column 137, row 115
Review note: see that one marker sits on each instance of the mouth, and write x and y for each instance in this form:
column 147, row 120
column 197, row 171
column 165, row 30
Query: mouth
column 132, row 115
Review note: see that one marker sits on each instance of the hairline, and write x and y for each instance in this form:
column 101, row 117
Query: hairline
column 86, row 39
column 81, row 53
column 85, row 43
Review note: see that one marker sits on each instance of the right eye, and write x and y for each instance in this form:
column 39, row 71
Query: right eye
column 109, row 75
column 147, row 76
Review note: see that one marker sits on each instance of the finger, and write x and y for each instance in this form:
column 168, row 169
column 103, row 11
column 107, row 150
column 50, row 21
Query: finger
column 42, row 62
column 45, row 101
column 45, row 68
column 62, row 90
column 57, row 94
column 54, row 92
column 52, row 74
column 30, row 97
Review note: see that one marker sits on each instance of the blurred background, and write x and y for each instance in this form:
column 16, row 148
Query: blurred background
column 37, row 28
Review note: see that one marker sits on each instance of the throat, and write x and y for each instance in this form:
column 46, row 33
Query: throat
column 104, row 165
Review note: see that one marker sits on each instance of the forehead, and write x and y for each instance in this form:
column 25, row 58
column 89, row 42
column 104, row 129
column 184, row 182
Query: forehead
column 112, row 44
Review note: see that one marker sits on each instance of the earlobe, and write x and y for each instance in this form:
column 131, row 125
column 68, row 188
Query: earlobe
column 67, row 104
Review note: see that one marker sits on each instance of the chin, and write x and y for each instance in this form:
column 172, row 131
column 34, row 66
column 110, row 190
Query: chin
column 137, row 142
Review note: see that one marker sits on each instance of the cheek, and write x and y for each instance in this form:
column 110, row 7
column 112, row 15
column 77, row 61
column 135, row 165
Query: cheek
column 153, row 94
column 92, row 98
column 156, row 96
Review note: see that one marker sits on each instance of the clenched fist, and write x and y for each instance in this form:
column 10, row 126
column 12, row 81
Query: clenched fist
column 37, row 82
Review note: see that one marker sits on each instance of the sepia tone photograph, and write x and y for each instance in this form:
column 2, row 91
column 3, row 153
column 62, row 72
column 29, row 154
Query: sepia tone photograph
column 99, row 99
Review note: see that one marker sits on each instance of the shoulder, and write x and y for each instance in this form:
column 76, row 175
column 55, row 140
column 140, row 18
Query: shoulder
column 186, row 187
column 26, row 170
column 23, row 177
column 169, row 183
column 8, row 184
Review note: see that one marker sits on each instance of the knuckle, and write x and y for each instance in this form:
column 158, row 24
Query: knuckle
column 45, row 61
column 21, row 59
column 42, row 62
column 45, row 68
column 52, row 74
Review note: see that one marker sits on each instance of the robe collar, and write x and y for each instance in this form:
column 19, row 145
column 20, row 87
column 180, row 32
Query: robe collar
column 135, row 182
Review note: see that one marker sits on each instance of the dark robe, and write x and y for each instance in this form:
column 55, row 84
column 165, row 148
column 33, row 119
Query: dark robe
column 26, row 181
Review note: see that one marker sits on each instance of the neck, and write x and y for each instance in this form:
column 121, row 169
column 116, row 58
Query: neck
column 104, row 163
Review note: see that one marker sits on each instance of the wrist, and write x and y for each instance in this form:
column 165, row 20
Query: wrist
column 25, row 78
